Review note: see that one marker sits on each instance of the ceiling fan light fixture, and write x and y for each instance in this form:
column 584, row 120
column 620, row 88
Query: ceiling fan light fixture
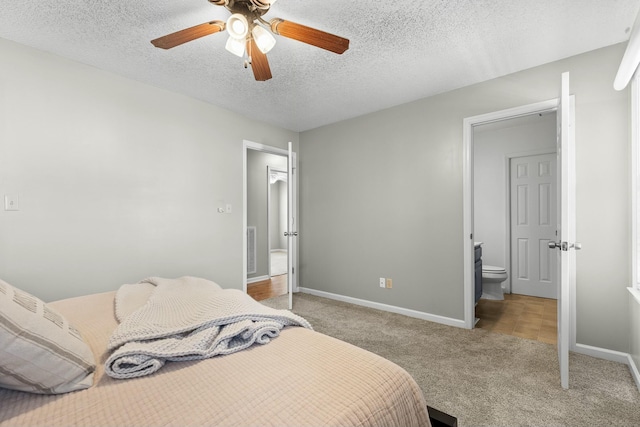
column 235, row 46
column 237, row 26
column 247, row 41
column 264, row 40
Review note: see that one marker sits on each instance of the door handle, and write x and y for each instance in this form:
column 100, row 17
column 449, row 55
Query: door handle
column 564, row 246
column 293, row 233
column 555, row 245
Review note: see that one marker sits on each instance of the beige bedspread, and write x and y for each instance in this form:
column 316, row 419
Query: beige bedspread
column 302, row 378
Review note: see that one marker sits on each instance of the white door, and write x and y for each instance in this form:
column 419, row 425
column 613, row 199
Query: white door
column 566, row 245
column 291, row 227
column 533, row 225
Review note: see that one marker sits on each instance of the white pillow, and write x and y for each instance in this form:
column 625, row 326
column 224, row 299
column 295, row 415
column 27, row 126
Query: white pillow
column 40, row 352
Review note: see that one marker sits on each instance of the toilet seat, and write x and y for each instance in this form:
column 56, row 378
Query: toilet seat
column 493, row 269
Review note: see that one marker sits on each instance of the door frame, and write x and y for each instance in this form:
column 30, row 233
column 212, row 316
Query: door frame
column 250, row 145
column 468, row 247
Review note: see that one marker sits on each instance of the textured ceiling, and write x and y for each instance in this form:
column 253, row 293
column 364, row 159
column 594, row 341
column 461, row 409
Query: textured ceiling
column 400, row 50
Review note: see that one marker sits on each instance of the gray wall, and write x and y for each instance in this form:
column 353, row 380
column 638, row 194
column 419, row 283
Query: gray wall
column 117, row 180
column 492, row 143
column 392, row 206
column 257, row 184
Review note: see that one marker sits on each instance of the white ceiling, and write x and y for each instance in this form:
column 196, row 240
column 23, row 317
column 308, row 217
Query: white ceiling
column 400, row 50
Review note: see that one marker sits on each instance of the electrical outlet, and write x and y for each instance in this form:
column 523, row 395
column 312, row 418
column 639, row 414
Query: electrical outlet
column 389, row 283
column 382, row 282
column 11, row 203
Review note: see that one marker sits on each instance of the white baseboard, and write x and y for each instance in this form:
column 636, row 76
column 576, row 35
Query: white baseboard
column 602, row 353
column 611, row 355
column 257, row 279
column 634, row 370
column 385, row 307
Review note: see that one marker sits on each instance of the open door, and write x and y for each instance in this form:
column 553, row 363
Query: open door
column 291, row 226
column 566, row 244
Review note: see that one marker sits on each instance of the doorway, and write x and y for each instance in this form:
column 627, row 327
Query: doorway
column 513, row 178
column 268, row 209
column 564, row 106
column 490, row 141
column 514, row 220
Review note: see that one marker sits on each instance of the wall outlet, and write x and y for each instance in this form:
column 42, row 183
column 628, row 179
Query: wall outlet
column 389, row 283
column 11, row 202
column 382, row 282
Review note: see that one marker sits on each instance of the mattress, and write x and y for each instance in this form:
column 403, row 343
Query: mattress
column 301, row 378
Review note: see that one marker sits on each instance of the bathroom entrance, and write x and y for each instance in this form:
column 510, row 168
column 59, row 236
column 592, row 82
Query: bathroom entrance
column 514, row 194
column 565, row 245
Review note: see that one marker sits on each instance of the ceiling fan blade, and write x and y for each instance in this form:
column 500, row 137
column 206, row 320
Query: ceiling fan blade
column 309, row 35
column 259, row 62
column 188, row 34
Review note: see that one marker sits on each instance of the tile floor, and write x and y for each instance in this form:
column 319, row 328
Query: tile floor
column 520, row 315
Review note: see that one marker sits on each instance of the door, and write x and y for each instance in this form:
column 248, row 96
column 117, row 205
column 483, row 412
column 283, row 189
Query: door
column 291, row 226
column 533, row 225
column 566, row 245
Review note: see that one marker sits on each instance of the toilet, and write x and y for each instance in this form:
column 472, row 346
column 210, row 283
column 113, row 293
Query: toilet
column 492, row 278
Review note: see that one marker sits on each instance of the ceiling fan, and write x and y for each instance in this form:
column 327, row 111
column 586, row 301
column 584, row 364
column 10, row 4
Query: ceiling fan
column 250, row 34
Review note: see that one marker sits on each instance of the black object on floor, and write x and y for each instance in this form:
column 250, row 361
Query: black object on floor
column 441, row 419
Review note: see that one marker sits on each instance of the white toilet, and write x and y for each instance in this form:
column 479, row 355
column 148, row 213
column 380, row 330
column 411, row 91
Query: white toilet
column 492, row 278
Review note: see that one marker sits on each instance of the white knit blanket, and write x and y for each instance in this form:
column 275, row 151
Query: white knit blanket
column 186, row 319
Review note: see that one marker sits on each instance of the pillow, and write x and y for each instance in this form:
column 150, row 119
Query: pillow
column 40, row 352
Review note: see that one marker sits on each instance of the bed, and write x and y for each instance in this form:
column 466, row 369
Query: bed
column 299, row 378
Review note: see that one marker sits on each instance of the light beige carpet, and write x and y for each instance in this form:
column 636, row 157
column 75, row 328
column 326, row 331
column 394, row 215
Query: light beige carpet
column 483, row 378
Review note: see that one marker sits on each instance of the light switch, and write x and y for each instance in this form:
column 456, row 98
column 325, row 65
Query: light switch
column 10, row 202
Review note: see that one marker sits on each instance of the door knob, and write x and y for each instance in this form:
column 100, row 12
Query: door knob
column 554, row 245
column 564, row 246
